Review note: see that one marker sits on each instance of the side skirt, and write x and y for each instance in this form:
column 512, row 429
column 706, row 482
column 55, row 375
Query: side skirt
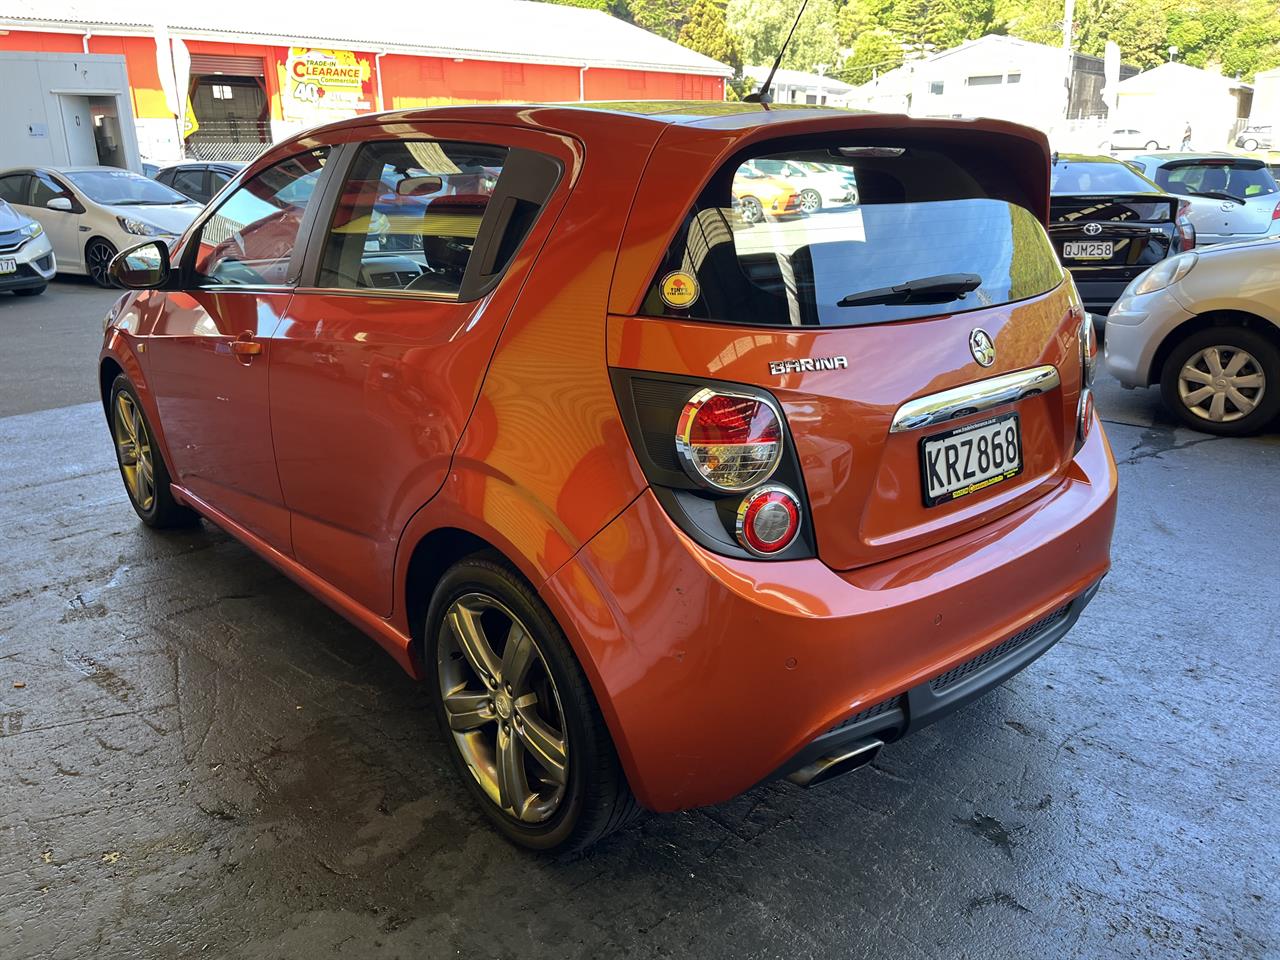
column 391, row 639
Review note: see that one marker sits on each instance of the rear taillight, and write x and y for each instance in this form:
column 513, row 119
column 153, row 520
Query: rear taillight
column 1186, row 229
column 768, row 520
column 1088, row 350
column 1084, row 416
column 720, row 460
column 1275, row 214
column 729, row 442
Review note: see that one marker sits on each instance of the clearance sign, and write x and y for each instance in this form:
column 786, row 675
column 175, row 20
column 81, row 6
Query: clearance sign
column 323, row 85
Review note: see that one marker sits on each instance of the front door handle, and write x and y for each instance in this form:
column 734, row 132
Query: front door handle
column 245, row 347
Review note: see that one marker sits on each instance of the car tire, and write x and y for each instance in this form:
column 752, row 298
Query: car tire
column 1249, row 145
column 134, row 440
column 810, row 201
column 1152, row 145
column 751, row 210
column 98, row 254
column 548, row 702
column 31, row 291
column 1189, row 370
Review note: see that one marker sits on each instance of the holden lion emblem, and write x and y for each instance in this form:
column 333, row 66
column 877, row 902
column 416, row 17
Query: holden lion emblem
column 980, row 345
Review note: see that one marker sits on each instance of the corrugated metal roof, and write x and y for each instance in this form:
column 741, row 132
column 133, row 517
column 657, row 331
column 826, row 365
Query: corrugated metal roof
column 509, row 30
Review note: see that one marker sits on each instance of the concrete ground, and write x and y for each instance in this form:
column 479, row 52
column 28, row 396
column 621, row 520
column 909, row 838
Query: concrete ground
column 201, row 760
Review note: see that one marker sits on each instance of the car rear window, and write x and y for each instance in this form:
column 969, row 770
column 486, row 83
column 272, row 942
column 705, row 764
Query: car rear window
column 944, row 230
column 1218, row 177
column 1096, row 177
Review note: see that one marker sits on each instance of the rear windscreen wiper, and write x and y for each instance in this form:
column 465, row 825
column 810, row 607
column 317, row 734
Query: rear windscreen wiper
column 940, row 289
column 1217, row 195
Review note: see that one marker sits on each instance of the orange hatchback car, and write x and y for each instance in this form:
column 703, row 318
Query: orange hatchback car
column 662, row 503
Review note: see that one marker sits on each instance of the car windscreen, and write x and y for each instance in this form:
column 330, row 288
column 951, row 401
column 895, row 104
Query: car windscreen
column 924, row 235
column 1214, row 177
column 122, row 188
column 1096, row 177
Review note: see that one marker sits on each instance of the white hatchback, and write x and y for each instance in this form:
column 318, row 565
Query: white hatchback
column 1205, row 326
column 91, row 213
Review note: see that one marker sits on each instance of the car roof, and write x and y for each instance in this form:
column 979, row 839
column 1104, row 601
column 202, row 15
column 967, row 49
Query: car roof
column 1084, row 158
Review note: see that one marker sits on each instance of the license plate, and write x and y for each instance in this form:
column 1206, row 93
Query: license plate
column 1088, row 249
column 963, row 461
column 8, row 265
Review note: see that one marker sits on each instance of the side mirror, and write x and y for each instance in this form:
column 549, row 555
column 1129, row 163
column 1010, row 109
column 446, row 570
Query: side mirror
column 142, row 267
column 60, row 203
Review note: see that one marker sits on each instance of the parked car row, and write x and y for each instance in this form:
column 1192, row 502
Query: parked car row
column 89, row 214
column 775, row 188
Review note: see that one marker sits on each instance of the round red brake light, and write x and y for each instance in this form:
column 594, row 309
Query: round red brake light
column 729, row 442
column 768, row 520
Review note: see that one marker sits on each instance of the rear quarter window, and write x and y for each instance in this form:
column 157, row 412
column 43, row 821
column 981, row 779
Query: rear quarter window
column 750, row 253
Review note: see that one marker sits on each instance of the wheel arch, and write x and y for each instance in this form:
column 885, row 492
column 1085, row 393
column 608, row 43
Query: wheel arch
column 430, row 558
column 108, row 370
column 1207, row 321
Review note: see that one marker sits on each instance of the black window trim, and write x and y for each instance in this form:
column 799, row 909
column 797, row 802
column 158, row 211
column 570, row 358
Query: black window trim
column 191, row 243
column 474, row 285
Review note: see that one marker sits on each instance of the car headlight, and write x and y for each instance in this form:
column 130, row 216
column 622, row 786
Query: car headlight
column 140, row 227
column 1163, row 274
column 31, row 229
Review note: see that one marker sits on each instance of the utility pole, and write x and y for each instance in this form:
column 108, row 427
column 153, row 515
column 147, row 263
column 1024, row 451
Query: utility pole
column 1068, row 22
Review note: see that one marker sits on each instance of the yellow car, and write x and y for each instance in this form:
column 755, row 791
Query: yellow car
column 757, row 195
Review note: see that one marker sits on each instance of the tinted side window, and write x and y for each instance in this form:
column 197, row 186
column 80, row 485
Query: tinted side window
column 409, row 214
column 217, row 180
column 44, row 189
column 13, row 188
column 190, row 182
column 250, row 239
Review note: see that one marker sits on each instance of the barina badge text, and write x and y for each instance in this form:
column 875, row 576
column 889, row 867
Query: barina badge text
column 807, row 365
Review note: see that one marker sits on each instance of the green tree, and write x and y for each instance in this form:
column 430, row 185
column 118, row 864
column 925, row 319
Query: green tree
column 762, row 25
column 706, row 32
column 872, row 53
column 601, row 5
column 666, row 18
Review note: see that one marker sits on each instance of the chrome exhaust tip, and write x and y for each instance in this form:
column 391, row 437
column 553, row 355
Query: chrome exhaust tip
column 838, row 764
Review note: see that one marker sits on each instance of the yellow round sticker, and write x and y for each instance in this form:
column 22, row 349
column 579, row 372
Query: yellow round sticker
column 679, row 289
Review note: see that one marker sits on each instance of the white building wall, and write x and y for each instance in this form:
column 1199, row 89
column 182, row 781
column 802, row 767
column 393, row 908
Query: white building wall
column 1023, row 83
column 1266, row 99
column 37, row 108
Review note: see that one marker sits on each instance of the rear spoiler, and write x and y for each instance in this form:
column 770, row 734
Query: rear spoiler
column 1244, row 163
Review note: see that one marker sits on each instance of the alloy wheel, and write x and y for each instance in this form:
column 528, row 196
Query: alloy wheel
column 810, row 202
column 133, row 445
column 98, row 259
column 1222, row 383
column 503, row 708
column 751, row 210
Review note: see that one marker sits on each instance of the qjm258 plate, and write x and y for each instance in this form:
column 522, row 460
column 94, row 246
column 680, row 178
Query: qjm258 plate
column 971, row 458
column 1088, row 250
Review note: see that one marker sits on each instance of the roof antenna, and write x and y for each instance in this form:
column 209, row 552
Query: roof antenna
column 763, row 96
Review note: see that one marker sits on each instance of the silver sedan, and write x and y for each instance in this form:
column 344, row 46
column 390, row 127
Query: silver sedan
column 1205, row 326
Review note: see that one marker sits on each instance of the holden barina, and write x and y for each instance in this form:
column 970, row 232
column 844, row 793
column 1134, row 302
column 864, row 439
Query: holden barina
column 660, row 501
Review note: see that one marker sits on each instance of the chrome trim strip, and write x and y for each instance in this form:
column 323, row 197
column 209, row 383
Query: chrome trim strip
column 974, row 397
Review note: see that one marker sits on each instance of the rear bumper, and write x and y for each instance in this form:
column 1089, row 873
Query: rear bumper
column 928, row 702
column 715, row 674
